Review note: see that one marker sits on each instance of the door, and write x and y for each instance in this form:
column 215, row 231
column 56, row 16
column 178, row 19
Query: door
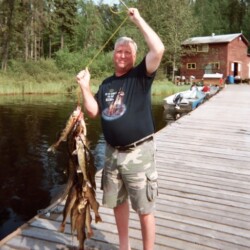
column 236, row 69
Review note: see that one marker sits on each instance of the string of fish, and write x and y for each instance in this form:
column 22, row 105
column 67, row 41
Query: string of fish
column 52, row 208
column 80, row 187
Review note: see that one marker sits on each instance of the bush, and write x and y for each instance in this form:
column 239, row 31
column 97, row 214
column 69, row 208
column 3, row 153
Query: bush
column 102, row 66
column 48, row 65
column 39, row 71
column 15, row 66
column 72, row 62
column 31, row 72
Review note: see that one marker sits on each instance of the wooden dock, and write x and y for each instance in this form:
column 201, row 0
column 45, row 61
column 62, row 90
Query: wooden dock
column 204, row 179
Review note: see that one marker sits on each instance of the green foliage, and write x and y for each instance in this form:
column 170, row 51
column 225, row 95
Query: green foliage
column 103, row 66
column 246, row 26
column 35, row 77
column 68, row 61
column 54, row 83
column 73, row 62
column 65, row 14
column 38, row 71
column 222, row 17
column 90, row 28
column 174, row 21
column 167, row 88
column 73, row 31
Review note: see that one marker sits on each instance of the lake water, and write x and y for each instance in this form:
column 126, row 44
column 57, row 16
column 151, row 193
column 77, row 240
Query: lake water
column 29, row 175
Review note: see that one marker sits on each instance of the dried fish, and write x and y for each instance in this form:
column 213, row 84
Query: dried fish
column 80, row 188
column 69, row 125
column 89, row 193
column 71, row 199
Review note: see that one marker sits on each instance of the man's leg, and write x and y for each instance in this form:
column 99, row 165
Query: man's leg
column 122, row 222
column 148, row 230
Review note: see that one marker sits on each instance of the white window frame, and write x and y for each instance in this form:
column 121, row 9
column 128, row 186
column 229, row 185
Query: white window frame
column 191, row 66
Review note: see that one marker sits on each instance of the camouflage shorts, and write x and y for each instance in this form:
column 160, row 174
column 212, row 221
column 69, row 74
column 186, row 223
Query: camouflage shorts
column 131, row 174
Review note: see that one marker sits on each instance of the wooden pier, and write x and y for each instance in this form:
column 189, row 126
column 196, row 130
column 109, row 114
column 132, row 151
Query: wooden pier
column 203, row 162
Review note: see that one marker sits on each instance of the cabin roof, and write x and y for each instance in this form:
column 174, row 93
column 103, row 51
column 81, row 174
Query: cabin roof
column 214, row 39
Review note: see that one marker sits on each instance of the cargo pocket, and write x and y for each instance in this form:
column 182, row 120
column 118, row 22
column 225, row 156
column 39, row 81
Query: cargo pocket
column 152, row 185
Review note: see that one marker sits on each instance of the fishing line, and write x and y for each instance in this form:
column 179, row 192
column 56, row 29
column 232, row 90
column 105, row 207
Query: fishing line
column 105, row 44
column 124, row 4
column 112, row 35
column 98, row 52
column 118, row 12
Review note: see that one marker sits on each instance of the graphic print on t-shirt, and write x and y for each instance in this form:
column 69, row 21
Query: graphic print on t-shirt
column 116, row 106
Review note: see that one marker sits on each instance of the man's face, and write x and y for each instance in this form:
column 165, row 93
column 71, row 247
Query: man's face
column 124, row 57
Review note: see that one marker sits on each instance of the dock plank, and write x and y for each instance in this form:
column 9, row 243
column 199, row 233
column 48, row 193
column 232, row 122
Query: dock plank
column 203, row 161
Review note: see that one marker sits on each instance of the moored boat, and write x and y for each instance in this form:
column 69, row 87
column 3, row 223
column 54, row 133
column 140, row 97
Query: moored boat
column 183, row 102
column 209, row 90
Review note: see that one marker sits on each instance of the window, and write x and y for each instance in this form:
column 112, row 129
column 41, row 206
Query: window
column 191, row 65
column 215, row 65
column 202, row 48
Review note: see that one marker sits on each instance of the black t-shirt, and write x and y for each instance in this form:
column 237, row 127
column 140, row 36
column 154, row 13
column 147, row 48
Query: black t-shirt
column 125, row 106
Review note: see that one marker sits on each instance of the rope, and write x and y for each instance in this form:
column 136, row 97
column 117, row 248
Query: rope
column 104, row 45
column 101, row 49
column 98, row 52
column 124, row 4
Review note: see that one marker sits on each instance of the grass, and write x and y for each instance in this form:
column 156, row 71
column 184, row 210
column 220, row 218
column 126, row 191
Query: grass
column 47, row 79
column 68, row 85
column 26, row 84
column 167, row 88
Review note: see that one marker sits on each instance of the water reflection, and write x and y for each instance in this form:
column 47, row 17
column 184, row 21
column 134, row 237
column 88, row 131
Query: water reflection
column 29, row 175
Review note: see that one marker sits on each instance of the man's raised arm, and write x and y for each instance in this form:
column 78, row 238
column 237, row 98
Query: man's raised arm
column 155, row 45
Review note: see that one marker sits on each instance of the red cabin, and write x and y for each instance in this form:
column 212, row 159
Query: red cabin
column 216, row 54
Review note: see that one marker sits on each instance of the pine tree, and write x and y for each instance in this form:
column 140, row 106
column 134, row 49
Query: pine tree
column 65, row 16
column 6, row 31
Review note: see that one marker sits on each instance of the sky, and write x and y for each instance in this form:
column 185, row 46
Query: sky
column 107, row 1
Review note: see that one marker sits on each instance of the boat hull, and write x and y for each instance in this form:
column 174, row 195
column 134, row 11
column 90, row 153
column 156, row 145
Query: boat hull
column 186, row 104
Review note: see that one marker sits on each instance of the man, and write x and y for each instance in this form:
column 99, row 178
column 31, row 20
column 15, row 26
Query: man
column 124, row 103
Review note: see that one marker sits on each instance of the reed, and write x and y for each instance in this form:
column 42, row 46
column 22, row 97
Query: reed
column 160, row 88
column 167, row 88
column 35, row 88
column 62, row 82
column 57, row 76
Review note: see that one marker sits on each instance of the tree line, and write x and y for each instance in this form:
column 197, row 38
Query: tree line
column 63, row 30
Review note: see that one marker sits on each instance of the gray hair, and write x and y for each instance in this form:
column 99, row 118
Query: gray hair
column 125, row 40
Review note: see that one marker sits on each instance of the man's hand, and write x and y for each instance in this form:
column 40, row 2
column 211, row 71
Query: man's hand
column 83, row 78
column 155, row 45
column 89, row 102
column 134, row 14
